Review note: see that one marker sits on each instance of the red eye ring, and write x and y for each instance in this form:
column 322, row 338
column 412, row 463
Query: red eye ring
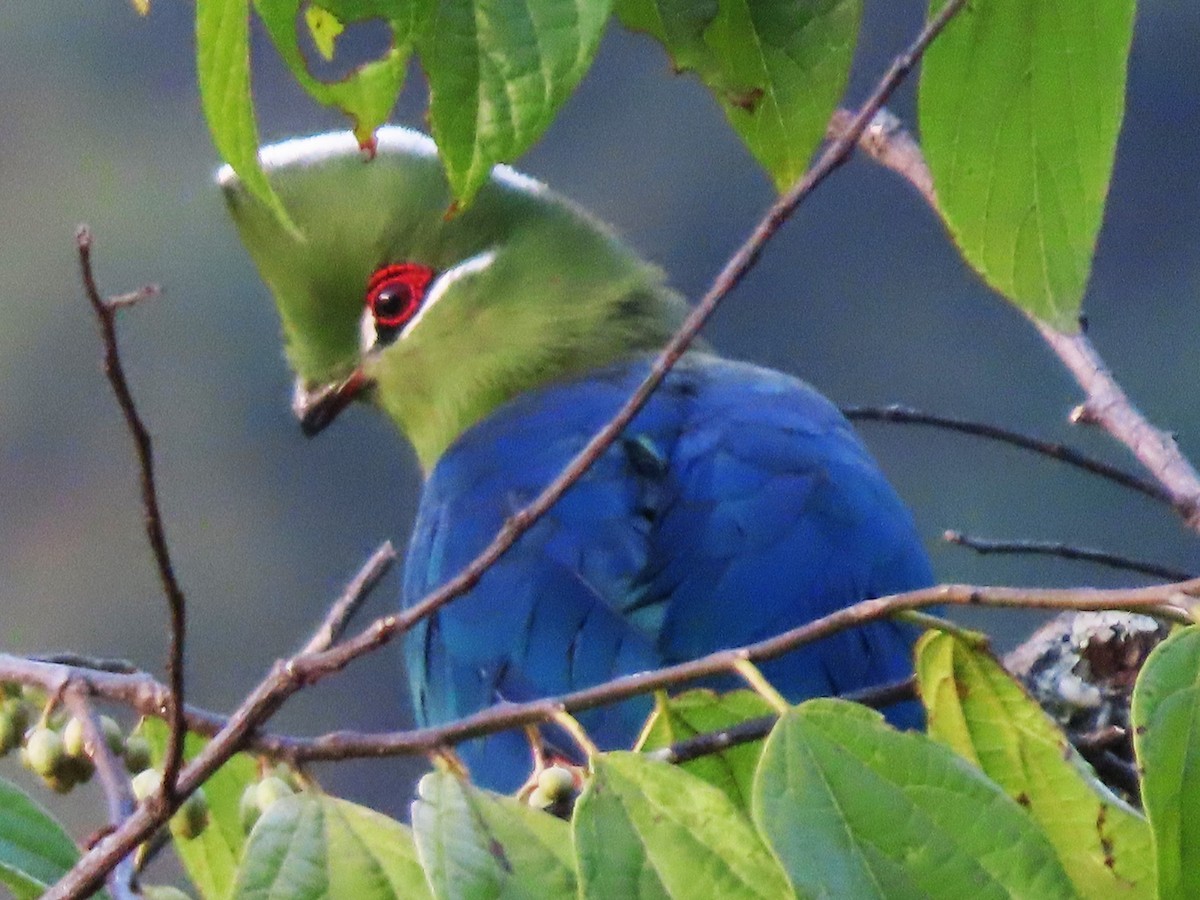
column 395, row 293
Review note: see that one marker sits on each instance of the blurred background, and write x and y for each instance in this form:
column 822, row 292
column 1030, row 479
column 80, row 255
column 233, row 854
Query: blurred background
column 861, row 294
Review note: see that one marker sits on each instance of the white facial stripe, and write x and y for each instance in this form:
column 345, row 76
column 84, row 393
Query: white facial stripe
column 367, row 336
column 471, row 266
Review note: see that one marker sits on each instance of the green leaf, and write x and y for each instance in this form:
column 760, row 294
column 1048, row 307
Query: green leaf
column 498, row 72
column 978, row 710
column 325, row 29
column 369, row 92
column 223, row 72
column 473, row 843
column 211, row 860
column 696, row 712
column 35, row 851
column 311, row 845
column 1166, row 719
column 778, row 69
column 854, row 808
column 1020, row 106
column 646, row 829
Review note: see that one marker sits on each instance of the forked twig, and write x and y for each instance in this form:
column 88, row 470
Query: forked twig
column 106, row 315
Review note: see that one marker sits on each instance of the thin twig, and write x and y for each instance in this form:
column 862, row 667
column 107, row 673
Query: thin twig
column 985, row 546
column 1060, row 452
column 95, row 663
column 357, row 591
column 1106, row 403
column 230, row 736
column 752, row 730
column 113, row 782
column 286, row 679
column 106, row 314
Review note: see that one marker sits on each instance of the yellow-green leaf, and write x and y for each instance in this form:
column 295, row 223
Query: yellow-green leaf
column 701, row 711
column 473, row 843
column 1020, row 107
column 978, row 710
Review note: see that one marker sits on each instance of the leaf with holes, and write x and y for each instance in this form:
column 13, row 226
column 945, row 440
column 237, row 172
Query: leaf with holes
column 368, row 93
column 1021, row 103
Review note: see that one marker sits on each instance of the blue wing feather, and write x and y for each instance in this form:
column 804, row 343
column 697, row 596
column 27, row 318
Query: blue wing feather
column 737, row 504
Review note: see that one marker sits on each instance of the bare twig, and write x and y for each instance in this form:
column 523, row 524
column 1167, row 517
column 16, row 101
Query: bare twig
column 1061, row 452
column 229, row 736
column 106, row 313
column 1106, row 404
column 985, row 546
column 359, row 588
column 113, row 782
column 756, row 729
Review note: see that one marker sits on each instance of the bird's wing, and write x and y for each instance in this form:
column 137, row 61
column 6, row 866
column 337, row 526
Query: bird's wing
column 778, row 516
column 737, row 504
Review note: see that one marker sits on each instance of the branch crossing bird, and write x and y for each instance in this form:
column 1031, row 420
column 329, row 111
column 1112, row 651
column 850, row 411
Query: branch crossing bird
column 499, row 338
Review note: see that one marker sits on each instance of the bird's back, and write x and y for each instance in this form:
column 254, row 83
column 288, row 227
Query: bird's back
column 737, row 504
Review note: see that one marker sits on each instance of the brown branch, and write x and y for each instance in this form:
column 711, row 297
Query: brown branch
column 1061, row 452
column 106, row 314
column 1106, row 404
column 1174, row 602
column 1170, row 601
column 113, row 781
column 985, row 546
column 888, row 143
column 286, row 678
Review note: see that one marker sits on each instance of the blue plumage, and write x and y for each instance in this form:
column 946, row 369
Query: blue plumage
column 737, row 504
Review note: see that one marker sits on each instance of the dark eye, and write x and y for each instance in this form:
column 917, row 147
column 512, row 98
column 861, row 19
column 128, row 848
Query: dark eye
column 394, row 295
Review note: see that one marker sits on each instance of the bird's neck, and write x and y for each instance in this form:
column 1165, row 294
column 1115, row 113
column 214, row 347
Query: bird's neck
column 530, row 345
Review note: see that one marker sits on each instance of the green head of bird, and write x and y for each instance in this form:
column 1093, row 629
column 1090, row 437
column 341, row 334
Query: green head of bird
column 385, row 292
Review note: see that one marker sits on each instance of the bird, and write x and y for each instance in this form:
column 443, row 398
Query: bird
column 498, row 338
